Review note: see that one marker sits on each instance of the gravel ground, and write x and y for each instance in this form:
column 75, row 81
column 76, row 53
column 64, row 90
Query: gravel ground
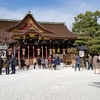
column 45, row 84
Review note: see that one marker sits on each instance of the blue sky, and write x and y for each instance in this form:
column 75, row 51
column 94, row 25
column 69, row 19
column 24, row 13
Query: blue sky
column 47, row 10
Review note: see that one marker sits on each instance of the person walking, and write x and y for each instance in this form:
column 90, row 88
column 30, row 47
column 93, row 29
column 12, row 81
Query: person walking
column 39, row 62
column 78, row 61
column 22, row 62
column 58, row 61
column 90, row 62
column 1, row 65
column 13, row 64
column 43, row 63
column 46, row 62
column 54, row 63
column 95, row 63
column 73, row 61
column 7, row 65
column 34, row 62
column 50, row 62
column 27, row 63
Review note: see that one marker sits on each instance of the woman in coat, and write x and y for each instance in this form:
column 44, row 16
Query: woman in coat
column 27, row 63
column 95, row 64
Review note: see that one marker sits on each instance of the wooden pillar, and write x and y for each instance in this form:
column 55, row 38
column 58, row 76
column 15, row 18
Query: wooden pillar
column 14, row 50
column 9, row 51
column 42, row 52
column 46, row 52
column 33, row 52
column 28, row 52
column 19, row 53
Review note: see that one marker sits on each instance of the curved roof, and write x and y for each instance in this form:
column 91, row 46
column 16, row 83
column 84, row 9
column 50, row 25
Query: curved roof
column 51, row 29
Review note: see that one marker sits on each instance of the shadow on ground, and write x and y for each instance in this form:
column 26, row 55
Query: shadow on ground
column 95, row 84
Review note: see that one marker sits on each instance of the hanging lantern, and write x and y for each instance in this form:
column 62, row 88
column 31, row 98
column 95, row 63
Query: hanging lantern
column 63, row 51
column 23, row 51
column 38, row 51
column 58, row 50
column 68, row 50
column 50, row 51
column 53, row 50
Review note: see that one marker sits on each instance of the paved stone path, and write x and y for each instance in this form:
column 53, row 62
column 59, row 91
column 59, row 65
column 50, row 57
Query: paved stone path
column 45, row 84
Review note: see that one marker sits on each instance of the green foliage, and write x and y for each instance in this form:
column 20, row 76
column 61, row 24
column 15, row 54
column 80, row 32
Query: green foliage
column 88, row 30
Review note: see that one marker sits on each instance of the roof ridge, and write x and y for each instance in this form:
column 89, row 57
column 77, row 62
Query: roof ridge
column 45, row 22
column 1, row 19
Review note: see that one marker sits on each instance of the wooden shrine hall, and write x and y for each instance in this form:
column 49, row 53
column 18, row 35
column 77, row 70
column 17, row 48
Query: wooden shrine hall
column 28, row 38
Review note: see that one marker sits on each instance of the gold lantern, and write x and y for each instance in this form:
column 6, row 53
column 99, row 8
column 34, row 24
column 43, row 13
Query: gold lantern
column 58, row 50
column 53, row 50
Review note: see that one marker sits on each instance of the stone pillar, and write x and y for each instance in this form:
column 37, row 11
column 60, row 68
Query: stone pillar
column 9, row 51
column 63, row 51
column 50, row 51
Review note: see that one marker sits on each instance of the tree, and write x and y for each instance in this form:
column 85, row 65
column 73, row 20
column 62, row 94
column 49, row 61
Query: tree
column 88, row 30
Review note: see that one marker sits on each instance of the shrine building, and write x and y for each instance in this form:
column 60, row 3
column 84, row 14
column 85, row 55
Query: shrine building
column 28, row 38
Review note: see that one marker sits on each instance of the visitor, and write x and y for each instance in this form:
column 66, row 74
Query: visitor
column 34, row 62
column 7, row 65
column 27, row 63
column 39, row 62
column 43, row 63
column 54, row 63
column 78, row 61
column 90, row 60
column 22, row 63
column 13, row 64
column 1, row 65
column 50, row 62
column 95, row 63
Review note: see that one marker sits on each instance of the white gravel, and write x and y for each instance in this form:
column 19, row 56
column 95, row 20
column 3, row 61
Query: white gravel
column 45, row 84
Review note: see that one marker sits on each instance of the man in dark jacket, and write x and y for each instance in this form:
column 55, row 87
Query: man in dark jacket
column 13, row 64
column 22, row 62
column 78, row 61
column 1, row 65
column 54, row 63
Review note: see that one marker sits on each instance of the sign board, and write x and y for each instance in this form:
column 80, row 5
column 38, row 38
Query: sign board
column 3, row 54
column 81, row 53
column 3, row 47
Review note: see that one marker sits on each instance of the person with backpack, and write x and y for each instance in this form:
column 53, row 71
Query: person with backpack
column 7, row 65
